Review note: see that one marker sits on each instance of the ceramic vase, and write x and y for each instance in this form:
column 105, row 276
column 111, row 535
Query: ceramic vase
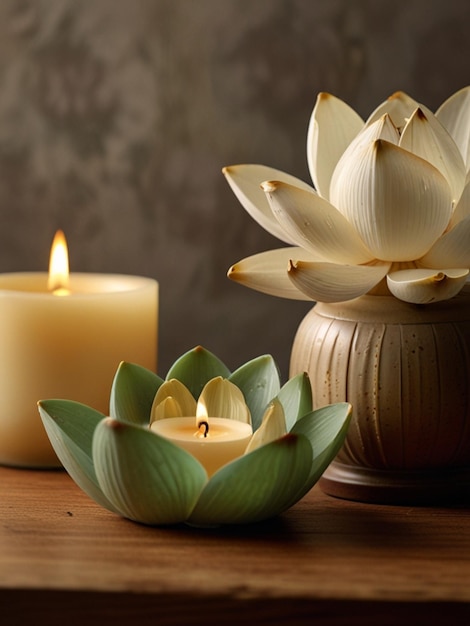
column 406, row 370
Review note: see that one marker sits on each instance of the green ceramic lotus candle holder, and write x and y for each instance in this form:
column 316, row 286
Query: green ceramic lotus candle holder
column 128, row 463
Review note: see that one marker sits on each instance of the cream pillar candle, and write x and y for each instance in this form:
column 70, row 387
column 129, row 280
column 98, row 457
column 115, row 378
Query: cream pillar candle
column 215, row 443
column 66, row 346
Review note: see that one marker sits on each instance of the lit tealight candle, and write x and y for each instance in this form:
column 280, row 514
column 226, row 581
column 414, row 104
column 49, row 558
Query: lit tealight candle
column 64, row 336
column 213, row 441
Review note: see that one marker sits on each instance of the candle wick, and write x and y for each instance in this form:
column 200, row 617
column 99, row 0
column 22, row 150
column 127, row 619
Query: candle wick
column 204, row 425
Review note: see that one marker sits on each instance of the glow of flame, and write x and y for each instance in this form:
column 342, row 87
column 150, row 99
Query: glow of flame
column 58, row 281
column 202, row 420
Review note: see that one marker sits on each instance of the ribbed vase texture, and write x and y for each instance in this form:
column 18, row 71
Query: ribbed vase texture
column 406, row 371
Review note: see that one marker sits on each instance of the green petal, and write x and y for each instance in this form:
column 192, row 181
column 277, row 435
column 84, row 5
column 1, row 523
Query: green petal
column 221, row 398
column 259, row 381
column 256, row 486
column 272, row 427
column 132, row 393
column 70, row 427
column 296, row 398
column 196, row 367
column 146, row 477
column 326, row 429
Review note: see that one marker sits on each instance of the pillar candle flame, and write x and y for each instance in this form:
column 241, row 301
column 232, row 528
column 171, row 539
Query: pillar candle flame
column 59, row 266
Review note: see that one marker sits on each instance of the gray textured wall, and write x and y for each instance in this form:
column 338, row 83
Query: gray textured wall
column 116, row 117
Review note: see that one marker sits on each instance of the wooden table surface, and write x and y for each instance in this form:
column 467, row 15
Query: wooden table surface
column 64, row 560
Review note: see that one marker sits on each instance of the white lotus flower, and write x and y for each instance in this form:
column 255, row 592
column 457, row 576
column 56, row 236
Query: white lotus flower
column 389, row 211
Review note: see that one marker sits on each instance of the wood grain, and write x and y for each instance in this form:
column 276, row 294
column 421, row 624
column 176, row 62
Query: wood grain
column 63, row 559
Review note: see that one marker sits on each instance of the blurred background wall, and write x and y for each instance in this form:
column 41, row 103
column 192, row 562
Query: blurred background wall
column 116, row 117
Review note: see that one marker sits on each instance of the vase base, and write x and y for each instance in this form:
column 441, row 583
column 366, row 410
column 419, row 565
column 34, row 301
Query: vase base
column 449, row 486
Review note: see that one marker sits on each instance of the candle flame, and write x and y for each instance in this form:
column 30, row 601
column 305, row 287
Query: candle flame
column 59, row 266
column 202, row 419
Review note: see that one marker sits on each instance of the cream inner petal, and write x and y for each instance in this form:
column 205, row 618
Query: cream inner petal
column 452, row 249
column 454, row 114
column 316, row 225
column 423, row 286
column 427, row 138
column 267, row 272
column 398, row 203
column 333, row 125
column 328, row 282
column 245, row 182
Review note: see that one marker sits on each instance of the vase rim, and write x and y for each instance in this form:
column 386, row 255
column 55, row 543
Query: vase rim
column 388, row 309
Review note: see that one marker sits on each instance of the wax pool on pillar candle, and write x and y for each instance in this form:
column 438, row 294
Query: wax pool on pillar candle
column 63, row 336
